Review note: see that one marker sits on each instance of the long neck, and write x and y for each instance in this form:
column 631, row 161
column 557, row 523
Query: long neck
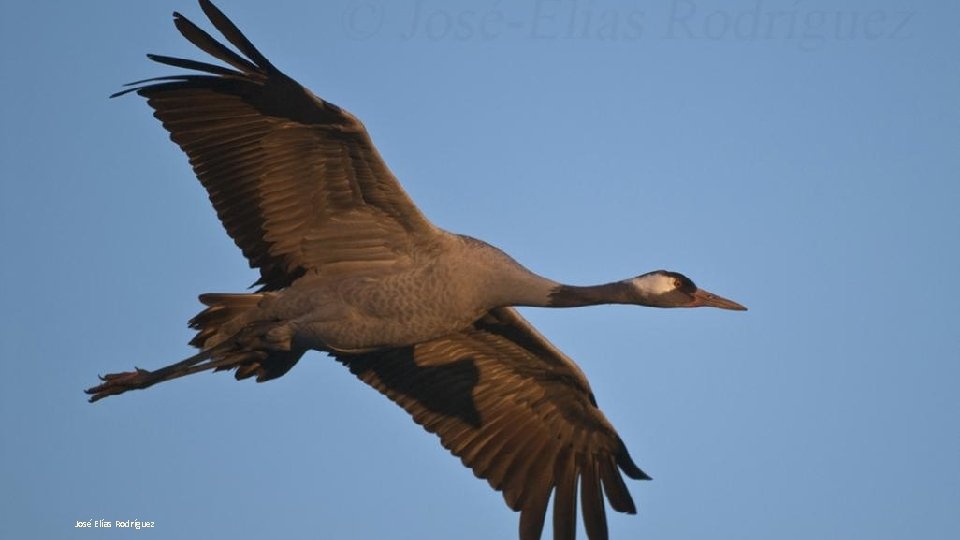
column 537, row 291
column 617, row 292
column 506, row 282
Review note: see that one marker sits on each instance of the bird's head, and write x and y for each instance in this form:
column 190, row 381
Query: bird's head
column 662, row 288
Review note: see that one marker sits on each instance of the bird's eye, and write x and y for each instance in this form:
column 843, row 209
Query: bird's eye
column 676, row 283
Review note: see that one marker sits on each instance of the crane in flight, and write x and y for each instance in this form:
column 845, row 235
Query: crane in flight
column 349, row 266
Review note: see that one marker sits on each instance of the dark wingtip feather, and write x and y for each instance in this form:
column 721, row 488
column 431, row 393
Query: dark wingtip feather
column 531, row 523
column 234, row 35
column 123, row 92
column 625, row 462
column 162, row 83
column 205, row 42
column 533, row 509
column 615, row 488
column 591, row 502
column 194, row 65
column 565, row 498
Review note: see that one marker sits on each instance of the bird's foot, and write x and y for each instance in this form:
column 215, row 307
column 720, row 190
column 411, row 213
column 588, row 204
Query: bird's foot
column 118, row 383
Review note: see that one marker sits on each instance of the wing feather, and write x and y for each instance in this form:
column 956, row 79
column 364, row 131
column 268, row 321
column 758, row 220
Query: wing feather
column 516, row 411
column 295, row 180
column 565, row 496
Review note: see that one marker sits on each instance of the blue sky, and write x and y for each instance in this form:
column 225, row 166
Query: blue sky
column 798, row 157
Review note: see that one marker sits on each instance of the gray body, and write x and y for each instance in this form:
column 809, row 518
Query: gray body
column 436, row 292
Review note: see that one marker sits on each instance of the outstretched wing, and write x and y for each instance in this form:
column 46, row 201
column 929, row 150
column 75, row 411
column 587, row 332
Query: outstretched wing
column 518, row 412
column 295, row 180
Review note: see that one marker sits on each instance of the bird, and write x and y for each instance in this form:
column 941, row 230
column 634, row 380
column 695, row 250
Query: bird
column 349, row 266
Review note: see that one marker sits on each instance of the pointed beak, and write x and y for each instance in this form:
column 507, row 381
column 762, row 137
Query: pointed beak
column 702, row 298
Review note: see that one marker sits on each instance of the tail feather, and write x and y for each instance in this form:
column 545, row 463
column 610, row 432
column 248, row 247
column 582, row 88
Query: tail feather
column 225, row 315
column 234, row 317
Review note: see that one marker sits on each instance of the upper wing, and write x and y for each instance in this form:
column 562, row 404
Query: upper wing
column 295, row 180
column 518, row 412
